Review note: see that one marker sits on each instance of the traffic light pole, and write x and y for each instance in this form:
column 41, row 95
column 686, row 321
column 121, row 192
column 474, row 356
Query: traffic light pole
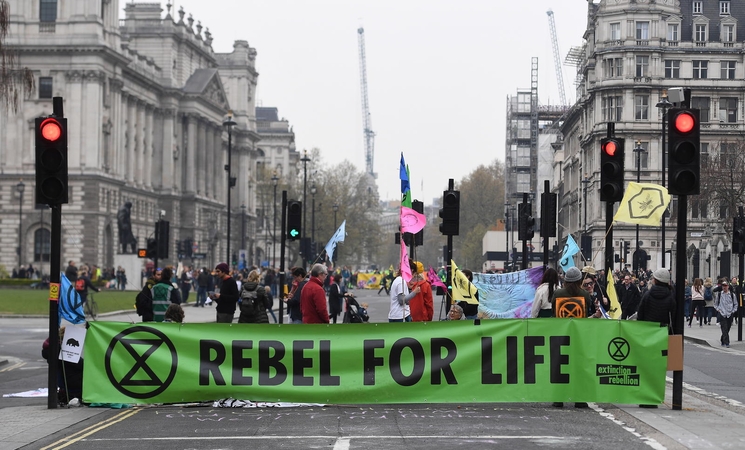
column 281, row 291
column 55, row 255
column 680, row 275
column 525, row 241
column 609, row 217
column 740, row 273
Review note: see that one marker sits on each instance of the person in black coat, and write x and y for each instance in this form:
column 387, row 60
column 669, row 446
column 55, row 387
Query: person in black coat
column 629, row 296
column 658, row 303
column 336, row 298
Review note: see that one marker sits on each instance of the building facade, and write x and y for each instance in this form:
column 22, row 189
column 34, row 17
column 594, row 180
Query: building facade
column 634, row 51
column 146, row 100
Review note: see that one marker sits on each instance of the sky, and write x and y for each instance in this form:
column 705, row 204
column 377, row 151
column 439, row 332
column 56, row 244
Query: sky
column 438, row 72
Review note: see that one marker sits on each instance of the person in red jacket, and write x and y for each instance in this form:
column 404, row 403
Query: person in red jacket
column 313, row 297
column 422, row 305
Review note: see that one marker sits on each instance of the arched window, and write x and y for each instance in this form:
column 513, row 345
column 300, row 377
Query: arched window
column 42, row 244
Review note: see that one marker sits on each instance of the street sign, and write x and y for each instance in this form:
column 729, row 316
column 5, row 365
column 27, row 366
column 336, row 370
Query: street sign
column 199, row 256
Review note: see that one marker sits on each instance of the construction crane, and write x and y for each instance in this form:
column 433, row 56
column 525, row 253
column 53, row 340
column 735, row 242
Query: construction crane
column 557, row 58
column 368, row 133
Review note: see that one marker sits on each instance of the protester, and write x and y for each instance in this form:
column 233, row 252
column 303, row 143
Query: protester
column 174, row 313
column 470, row 310
column 313, row 297
column 697, row 302
column 253, row 301
column 400, row 298
column 227, row 297
column 455, row 313
column 270, row 302
column 658, row 303
column 163, row 294
column 336, row 298
column 293, row 298
column 144, row 299
column 629, row 296
column 422, row 305
column 542, row 299
column 725, row 305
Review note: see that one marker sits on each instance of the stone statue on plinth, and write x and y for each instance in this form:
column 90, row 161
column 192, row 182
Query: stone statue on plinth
column 126, row 238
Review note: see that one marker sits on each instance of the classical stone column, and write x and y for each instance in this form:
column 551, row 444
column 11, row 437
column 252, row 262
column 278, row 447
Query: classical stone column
column 201, row 157
column 168, row 152
column 130, row 140
column 148, row 154
column 113, row 161
column 190, row 150
column 210, row 161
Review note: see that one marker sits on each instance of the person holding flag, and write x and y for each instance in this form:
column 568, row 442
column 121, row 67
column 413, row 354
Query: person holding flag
column 464, row 292
column 422, row 305
column 400, row 297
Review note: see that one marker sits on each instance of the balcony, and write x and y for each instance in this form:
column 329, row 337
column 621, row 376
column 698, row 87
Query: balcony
column 673, row 43
column 47, row 27
column 700, row 43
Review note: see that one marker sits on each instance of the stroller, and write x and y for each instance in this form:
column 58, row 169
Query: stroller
column 354, row 312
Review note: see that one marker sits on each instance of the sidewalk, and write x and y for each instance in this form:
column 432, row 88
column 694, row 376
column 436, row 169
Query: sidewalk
column 710, row 334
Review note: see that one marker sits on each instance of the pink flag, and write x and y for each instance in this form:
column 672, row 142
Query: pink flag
column 434, row 280
column 412, row 221
column 404, row 262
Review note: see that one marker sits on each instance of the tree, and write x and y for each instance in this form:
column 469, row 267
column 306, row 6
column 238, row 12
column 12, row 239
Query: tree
column 722, row 177
column 15, row 82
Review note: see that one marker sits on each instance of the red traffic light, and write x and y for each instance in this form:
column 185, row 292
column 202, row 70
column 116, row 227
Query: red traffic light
column 684, row 122
column 609, row 148
column 51, row 130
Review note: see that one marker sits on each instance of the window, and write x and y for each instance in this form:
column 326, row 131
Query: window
column 728, row 70
column 614, row 67
column 641, row 107
column 724, row 7
column 42, row 244
column 728, row 33
column 672, row 68
column 643, row 157
column 697, row 7
column 694, row 209
column 702, row 104
column 45, row 87
column 700, row 69
column 612, row 107
column 523, row 182
column 642, row 66
column 700, row 33
column 615, row 31
column 727, row 154
column 48, row 11
column 672, row 32
column 704, row 155
column 523, row 129
column 728, row 109
column 642, row 30
column 523, row 157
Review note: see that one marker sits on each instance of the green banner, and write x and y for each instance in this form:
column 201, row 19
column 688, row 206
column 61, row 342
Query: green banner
column 508, row 360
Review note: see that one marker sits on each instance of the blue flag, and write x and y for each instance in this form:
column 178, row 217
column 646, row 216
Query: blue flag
column 335, row 239
column 403, row 174
column 570, row 249
column 70, row 304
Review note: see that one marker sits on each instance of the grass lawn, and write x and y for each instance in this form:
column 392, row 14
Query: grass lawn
column 36, row 301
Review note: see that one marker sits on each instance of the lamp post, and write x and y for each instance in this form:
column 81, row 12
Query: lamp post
column 507, row 228
column 585, row 182
column 664, row 104
column 20, row 187
column 305, row 160
column 243, row 227
column 229, row 123
column 275, row 180
column 639, row 150
column 313, row 214
column 336, row 209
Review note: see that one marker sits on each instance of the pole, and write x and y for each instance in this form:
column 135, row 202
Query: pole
column 507, row 226
column 20, row 187
column 664, row 169
column 740, row 273
column 638, row 150
column 680, row 275
column 274, row 222
column 525, row 241
column 229, row 123
column 281, row 290
column 609, row 216
column 305, row 160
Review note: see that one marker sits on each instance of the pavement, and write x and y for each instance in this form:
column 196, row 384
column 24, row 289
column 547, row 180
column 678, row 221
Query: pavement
column 706, row 421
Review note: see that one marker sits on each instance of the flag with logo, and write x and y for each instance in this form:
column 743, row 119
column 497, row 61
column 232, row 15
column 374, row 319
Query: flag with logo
column 570, row 249
column 403, row 174
column 434, row 280
column 412, row 221
column 335, row 239
column 463, row 289
column 614, row 312
column 643, row 204
column 70, row 305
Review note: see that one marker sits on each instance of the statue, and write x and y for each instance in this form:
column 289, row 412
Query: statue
column 126, row 238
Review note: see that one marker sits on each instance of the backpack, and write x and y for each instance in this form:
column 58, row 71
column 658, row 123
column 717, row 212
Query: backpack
column 80, row 284
column 248, row 300
column 708, row 294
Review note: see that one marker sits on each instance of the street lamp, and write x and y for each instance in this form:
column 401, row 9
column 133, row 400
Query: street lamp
column 243, row 227
column 305, row 160
column 585, row 182
column 229, row 123
column 664, row 104
column 275, row 180
column 507, row 228
column 20, row 187
column 639, row 150
column 336, row 209
column 313, row 213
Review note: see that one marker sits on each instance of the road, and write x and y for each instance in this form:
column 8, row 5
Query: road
column 715, row 371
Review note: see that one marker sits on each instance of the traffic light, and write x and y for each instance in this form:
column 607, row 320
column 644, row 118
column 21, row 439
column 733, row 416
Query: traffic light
column 526, row 222
column 684, row 151
column 626, row 245
column 738, row 235
column 179, row 248
column 294, row 219
column 450, row 213
column 611, row 169
column 152, row 248
column 188, row 247
column 548, row 216
column 51, row 160
column 162, row 235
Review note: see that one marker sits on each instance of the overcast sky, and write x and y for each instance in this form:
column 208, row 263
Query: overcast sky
column 439, row 72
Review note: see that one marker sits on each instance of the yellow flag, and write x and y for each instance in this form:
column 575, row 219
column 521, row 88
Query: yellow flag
column 463, row 290
column 614, row 312
column 643, row 204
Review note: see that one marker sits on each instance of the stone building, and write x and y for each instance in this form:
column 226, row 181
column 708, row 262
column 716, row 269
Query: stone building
column 634, row 51
column 146, row 99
